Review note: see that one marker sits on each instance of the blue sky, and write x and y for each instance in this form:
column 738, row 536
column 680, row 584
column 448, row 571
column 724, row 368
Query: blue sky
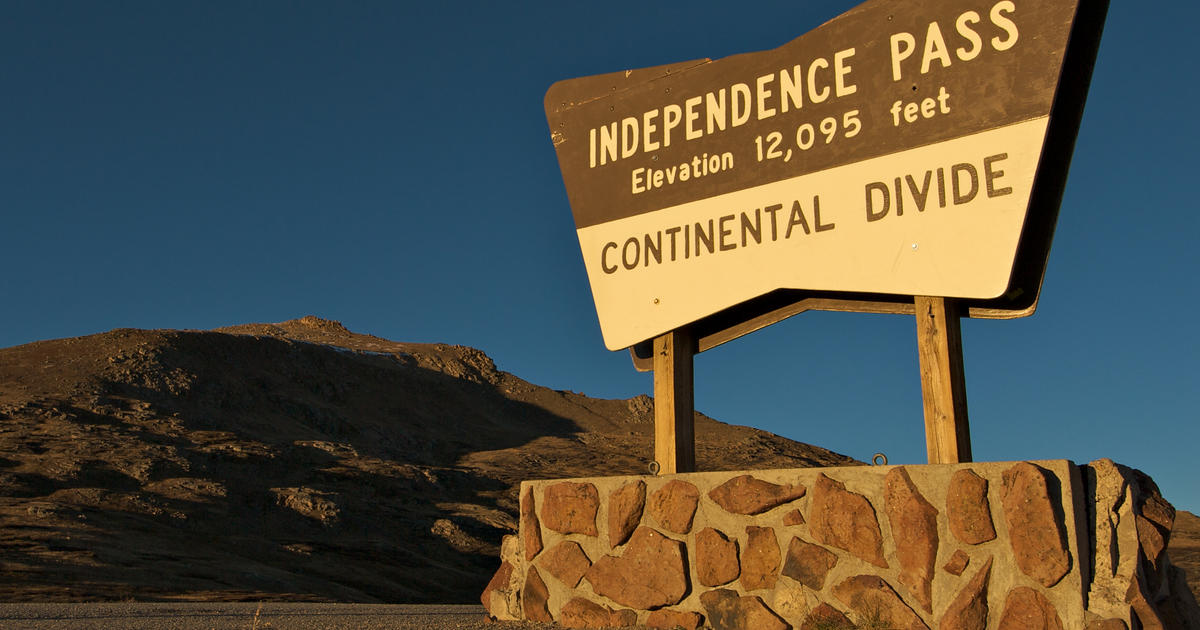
column 388, row 165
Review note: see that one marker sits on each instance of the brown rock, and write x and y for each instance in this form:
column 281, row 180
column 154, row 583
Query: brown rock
column 845, row 520
column 729, row 611
column 967, row 508
column 1027, row 609
column 793, row 518
column 969, row 610
column 674, row 505
column 570, row 508
column 808, row 564
column 1035, row 532
column 914, row 532
column 716, row 558
column 1151, row 538
column 672, row 619
column 535, row 598
column 875, row 602
column 649, row 574
column 760, row 558
column 1107, row 624
column 581, row 613
column 495, row 593
column 957, row 563
column 1145, row 612
column 567, row 562
column 747, row 495
column 531, row 531
column 625, row 511
column 826, row 617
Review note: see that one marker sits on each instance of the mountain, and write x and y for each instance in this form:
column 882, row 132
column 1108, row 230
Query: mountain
column 294, row 461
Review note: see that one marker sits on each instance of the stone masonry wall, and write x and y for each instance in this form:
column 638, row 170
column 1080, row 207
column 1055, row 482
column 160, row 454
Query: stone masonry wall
column 979, row 546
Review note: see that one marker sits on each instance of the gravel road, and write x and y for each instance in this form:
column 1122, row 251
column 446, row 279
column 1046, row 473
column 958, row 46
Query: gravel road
column 250, row 616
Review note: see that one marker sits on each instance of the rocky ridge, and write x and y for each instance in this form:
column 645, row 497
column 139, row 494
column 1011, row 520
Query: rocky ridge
column 294, row 461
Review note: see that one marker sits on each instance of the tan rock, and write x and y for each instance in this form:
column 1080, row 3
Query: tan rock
column 793, row 518
column 845, row 520
column 747, row 495
column 874, row 601
column 726, row 610
column 826, row 617
column 1027, row 609
column 531, row 531
column 502, row 596
column 674, row 505
column 535, row 598
column 969, row 610
column 967, row 508
column 570, row 508
column 760, row 558
column 496, row 594
column 957, row 563
column 649, row 574
column 792, row 602
column 716, row 558
column 673, row 619
column 1035, row 533
column 567, row 562
column 625, row 511
column 808, row 564
column 914, row 533
column 582, row 613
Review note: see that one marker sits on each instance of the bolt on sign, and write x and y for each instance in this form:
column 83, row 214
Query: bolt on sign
column 901, row 149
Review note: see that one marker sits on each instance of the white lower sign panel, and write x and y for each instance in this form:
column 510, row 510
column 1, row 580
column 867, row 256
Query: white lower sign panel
column 942, row 219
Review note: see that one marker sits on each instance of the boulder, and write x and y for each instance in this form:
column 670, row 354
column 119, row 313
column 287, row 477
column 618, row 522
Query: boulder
column 716, row 558
column 531, row 531
column 726, row 610
column 968, row 511
column 808, row 564
column 748, row 495
column 914, row 524
column 1035, row 532
column 625, row 511
column 570, row 508
column 845, row 520
column 535, row 598
column 760, row 558
column 649, row 574
column 874, row 601
column 969, row 610
column 674, row 619
column 1027, row 609
column 567, row 562
column 582, row 613
column 674, row 505
column 957, row 563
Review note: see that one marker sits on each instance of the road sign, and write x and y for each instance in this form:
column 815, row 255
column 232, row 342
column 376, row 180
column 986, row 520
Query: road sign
column 900, row 149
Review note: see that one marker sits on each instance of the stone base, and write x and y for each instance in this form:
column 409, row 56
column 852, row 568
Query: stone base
column 1002, row 545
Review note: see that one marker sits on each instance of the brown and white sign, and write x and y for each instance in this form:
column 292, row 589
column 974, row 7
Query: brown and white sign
column 893, row 150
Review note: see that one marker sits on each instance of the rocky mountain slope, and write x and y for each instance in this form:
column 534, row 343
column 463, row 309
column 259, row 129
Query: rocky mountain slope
column 293, row 461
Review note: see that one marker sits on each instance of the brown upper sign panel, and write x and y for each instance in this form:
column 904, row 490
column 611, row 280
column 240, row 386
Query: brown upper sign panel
column 892, row 151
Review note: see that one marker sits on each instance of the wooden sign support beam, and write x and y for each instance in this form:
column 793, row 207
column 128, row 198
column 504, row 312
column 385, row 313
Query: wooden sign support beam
column 943, row 386
column 674, row 418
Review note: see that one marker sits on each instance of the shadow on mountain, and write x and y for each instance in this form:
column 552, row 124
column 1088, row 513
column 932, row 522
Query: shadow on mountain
column 292, row 461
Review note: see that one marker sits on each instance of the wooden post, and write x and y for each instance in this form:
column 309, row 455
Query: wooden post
column 674, row 421
column 943, row 386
